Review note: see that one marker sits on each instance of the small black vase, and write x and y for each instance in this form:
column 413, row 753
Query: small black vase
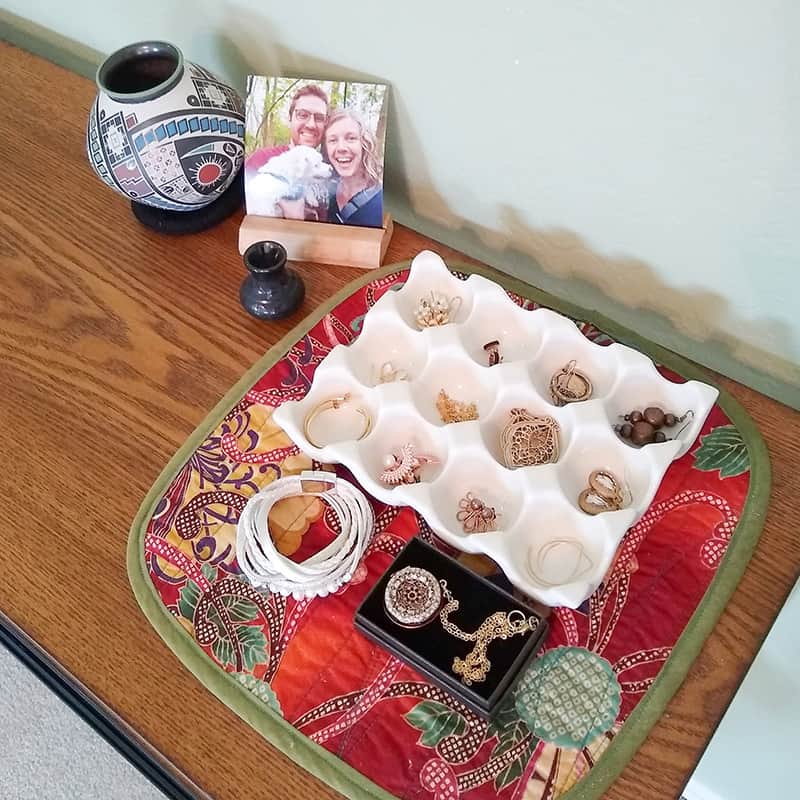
column 271, row 290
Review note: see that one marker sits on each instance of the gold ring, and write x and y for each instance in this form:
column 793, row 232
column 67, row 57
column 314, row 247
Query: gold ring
column 334, row 404
column 570, row 385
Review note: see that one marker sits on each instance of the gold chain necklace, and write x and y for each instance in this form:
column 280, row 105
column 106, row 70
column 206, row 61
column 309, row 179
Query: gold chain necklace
column 501, row 625
column 413, row 598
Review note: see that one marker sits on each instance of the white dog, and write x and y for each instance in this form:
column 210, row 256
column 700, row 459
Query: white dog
column 299, row 172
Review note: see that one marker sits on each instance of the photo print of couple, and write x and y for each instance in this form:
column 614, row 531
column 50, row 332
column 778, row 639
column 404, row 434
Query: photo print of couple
column 314, row 150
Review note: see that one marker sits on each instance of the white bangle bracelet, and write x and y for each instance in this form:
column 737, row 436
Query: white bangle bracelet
column 325, row 571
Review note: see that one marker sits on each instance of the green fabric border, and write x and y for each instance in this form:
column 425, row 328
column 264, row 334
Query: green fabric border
column 325, row 765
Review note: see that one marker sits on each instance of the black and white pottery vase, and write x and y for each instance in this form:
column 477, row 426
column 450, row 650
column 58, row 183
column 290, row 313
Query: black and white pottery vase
column 169, row 135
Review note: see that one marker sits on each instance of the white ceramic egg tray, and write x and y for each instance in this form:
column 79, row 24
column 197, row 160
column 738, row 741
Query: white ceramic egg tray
column 537, row 505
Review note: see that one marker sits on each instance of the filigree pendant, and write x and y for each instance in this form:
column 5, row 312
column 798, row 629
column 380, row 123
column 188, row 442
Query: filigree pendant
column 528, row 439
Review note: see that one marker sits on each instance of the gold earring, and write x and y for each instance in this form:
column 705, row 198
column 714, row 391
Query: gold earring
column 404, row 468
column 527, row 439
column 605, row 493
column 437, row 309
column 475, row 516
column 492, row 350
column 570, row 385
column 454, row 410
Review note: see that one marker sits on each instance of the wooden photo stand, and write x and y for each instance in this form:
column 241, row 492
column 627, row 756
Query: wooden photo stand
column 327, row 243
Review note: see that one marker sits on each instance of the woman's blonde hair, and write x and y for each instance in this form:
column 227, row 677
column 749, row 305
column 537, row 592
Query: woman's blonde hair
column 369, row 145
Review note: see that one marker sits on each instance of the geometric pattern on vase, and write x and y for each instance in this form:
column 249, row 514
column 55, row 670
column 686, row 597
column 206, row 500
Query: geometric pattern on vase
column 179, row 151
column 94, row 151
column 568, row 696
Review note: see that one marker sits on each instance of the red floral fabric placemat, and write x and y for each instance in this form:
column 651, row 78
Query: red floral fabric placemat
column 358, row 717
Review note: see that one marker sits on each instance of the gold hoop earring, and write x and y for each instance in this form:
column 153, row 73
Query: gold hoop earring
column 604, row 493
column 570, row 385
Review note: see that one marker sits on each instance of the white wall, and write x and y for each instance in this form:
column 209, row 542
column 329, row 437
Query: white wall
column 639, row 158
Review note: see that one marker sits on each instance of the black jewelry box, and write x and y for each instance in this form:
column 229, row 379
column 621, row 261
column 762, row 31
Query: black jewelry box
column 431, row 650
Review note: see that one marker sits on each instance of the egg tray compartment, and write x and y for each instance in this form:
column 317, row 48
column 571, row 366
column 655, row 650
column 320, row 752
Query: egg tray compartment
column 537, row 505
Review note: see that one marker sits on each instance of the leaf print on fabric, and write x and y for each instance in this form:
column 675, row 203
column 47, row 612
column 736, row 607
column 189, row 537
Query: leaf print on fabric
column 239, row 609
column 723, row 449
column 223, row 650
column 504, row 717
column 514, row 770
column 187, row 601
column 511, row 737
column 191, row 593
column 436, row 721
column 253, row 645
column 219, row 612
column 510, row 731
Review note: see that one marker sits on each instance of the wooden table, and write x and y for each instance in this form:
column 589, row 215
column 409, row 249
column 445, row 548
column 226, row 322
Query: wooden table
column 115, row 343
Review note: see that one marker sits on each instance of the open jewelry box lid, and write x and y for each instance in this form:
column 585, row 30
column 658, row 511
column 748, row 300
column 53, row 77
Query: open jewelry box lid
column 431, row 650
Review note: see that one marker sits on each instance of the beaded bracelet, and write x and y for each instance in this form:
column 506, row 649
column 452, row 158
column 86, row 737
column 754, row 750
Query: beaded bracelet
column 325, row 571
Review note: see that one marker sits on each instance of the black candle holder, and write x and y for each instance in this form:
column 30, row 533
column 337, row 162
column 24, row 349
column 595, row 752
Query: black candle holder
column 271, row 290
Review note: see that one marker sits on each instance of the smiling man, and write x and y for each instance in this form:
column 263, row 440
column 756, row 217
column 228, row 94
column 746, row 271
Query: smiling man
column 308, row 112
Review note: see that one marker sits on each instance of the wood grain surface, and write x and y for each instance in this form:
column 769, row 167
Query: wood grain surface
column 115, row 343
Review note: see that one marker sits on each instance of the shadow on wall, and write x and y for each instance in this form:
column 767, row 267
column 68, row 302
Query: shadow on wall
column 696, row 321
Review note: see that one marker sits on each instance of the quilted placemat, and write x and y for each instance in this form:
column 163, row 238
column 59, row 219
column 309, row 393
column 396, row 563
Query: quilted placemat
column 357, row 717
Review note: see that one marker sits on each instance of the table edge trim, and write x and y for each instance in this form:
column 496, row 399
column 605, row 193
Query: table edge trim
column 147, row 759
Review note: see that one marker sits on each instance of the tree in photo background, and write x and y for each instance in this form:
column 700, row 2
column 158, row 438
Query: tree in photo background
column 268, row 101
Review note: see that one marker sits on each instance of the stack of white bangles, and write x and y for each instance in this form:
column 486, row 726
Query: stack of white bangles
column 326, row 570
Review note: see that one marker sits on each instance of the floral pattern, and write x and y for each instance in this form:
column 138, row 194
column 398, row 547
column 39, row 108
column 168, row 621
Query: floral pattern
column 305, row 661
column 568, row 697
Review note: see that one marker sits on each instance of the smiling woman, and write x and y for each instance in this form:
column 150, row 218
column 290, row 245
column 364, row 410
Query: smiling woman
column 350, row 148
column 340, row 129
